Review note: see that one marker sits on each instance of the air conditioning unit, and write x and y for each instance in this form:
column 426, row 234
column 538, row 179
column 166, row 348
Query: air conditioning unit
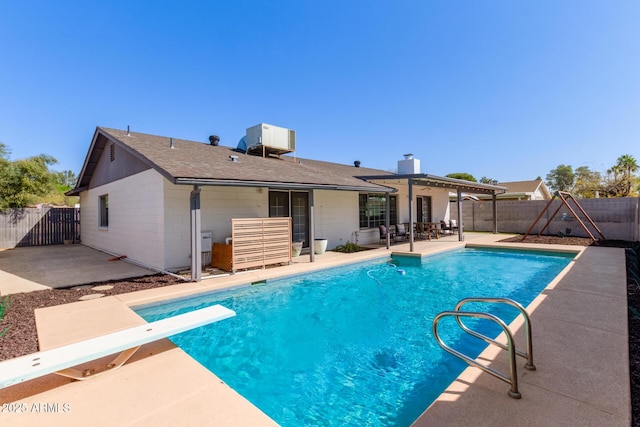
column 269, row 139
column 206, row 242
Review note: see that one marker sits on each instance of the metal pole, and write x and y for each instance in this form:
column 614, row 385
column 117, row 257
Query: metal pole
column 312, row 228
column 387, row 220
column 196, row 227
column 495, row 213
column 460, row 227
column 410, row 215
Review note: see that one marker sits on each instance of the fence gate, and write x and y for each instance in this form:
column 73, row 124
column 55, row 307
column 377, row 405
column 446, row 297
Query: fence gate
column 39, row 226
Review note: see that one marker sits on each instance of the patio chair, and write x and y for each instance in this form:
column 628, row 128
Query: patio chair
column 401, row 232
column 444, row 228
column 383, row 234
column 454, row 226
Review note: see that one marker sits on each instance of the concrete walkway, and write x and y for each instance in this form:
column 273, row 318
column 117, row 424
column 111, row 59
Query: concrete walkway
column 580, row 349
column 60, row 266
column 580, row 342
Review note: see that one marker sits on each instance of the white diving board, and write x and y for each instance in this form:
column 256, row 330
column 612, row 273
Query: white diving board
column 61, row 360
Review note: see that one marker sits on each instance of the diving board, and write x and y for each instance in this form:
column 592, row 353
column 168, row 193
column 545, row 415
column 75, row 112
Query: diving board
column 61, row 360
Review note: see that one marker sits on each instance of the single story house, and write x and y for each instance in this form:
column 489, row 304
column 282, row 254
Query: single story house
column 534, row 189
column 149, row 197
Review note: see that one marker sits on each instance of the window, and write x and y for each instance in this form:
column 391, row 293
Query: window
column 373, row 210
column 103, row 213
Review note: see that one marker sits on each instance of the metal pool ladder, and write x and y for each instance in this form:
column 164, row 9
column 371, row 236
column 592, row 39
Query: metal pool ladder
column 512, row 378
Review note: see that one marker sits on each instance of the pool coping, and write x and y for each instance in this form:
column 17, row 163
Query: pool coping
column 146, row 391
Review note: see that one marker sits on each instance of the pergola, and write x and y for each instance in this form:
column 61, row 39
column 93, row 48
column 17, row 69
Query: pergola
column 426, row 180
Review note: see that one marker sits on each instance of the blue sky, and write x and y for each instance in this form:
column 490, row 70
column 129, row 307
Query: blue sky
column 503, row 89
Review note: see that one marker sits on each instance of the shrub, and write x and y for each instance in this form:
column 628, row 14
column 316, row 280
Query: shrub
column 349, row 247
column 4, row 306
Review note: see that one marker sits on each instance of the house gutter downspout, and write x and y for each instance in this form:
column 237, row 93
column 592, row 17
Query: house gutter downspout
column 196, row 228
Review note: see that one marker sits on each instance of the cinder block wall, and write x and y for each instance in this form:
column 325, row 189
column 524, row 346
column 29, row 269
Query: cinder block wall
column 617, row 219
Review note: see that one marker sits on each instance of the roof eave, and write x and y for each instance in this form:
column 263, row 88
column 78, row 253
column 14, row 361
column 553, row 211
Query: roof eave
column 441, row 182
column 273, row 184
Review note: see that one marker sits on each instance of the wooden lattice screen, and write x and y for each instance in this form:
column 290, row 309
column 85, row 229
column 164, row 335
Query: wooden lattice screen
column 260, row 242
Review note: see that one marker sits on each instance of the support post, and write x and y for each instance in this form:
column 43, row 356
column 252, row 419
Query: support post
column 495, row 213
column 387, row 219
column 196, row 228
column 410, row 215
column 460, row 227
column 312, row 228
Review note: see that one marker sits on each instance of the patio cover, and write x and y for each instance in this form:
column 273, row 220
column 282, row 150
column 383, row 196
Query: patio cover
column 426, row 180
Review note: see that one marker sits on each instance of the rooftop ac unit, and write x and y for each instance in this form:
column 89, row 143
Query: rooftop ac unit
column 269, row 139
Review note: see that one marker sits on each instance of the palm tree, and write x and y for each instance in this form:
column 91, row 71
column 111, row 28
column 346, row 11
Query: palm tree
column 626, row 165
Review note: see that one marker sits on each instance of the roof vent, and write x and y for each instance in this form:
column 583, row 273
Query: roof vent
column 356, row 163
column 214, row 140
column 233, row 158
column 171, row 143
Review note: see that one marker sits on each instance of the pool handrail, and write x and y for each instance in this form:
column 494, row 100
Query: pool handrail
column 528, row 354
column 512, row 378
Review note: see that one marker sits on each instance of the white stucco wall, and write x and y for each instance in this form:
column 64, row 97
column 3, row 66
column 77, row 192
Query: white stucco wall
column 221, row 204
column 218, row 205
column 136, row 218
column 336, row 217
column 439, row 202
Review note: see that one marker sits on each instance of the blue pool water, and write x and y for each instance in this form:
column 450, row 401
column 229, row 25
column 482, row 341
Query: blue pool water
column 353, row 345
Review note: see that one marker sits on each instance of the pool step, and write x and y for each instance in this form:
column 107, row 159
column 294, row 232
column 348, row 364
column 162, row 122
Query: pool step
column 512, row 378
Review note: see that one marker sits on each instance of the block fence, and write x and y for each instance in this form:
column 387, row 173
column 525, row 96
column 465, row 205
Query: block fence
column 617, row 218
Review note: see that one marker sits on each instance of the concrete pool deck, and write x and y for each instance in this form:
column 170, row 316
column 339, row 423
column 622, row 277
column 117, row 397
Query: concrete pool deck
column 580, row 344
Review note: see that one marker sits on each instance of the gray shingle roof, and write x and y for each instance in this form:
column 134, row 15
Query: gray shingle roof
column 199, row 162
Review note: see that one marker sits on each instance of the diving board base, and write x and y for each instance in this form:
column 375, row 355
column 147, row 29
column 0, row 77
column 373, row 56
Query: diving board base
column 77, row 374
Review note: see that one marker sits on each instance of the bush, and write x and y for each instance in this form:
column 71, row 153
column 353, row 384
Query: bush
column 349, row 248
column 4, row 306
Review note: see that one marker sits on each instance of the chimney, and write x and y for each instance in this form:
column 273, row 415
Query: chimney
column 408, row 166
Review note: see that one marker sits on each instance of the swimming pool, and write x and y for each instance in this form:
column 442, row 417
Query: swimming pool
column 353, row 345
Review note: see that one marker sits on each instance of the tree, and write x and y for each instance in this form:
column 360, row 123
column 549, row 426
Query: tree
column 66, row 179
column 462, row 175
column 626, row 166
column 26, row 181
column 486, row 180
column 587, row 183
column 561, row 178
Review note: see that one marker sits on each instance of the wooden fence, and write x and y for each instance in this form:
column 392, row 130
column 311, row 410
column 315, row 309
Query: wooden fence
column 39, row 226
column 260, row 242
